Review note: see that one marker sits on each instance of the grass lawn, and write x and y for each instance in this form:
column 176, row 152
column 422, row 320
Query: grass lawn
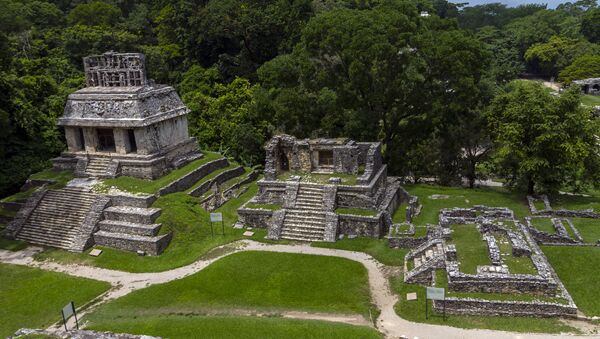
column 590, row 100
column 33, row 298
column 235, row 327
column 576, row 202
column 357, row 211
column 415, row 311
column 61, row 178
column 589, row 229
column 137, row 185
column 464, row 197
column 192, row 236
column 253, row 280
column 516, row 265
column 471, row 250
column 320, row 178
column 578, row 268
column 544, row 225
column 377, row 248
column 399, row 215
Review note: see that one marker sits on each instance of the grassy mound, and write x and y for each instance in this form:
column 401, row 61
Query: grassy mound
column 252, row 281
column 236, row 327
column 33, row 298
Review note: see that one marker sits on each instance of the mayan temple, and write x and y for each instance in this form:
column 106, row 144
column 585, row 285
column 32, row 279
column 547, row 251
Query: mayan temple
column 121, row 123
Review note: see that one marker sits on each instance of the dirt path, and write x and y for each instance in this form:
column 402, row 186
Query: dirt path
column 388, row 322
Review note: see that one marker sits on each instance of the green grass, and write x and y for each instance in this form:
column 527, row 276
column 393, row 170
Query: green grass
column 516, row 265
column 137, row 185
column 458, row 197
column 256, row 281
column 61, row 179
column 320, row 178
column 544, row 225
column 377, row 248
column 272, row 207
column 399, row 215
column 210, row 177
column 578, row 268
column 223, row 327
column 589, row 229
column 590, row 100
column 471, row 250
column 8, row 244
column 357, row 211
column 576, row 202
column 415, row 311
column 442, row 281
column 33, row 298
column 192, row 238
column 539, row 205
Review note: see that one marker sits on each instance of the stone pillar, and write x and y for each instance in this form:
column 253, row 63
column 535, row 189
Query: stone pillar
column 121, row 140
column 71, row 136
column 141, row 140
column 91, row 139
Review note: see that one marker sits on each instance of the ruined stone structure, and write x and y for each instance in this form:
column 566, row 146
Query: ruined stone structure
column 589, row 86
column 437, row 252
column 123, row 124
column 308, row 208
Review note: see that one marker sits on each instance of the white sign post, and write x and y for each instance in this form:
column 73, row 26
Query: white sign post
column 435, row 293
column 216, row 217
column 67, row 312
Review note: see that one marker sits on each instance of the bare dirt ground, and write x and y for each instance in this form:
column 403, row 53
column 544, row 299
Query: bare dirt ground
column 388, row 322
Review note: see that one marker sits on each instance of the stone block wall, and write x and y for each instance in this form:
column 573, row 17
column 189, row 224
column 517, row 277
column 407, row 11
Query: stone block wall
column 84, row 238
column 13, row 228
column 149, row 245
column 274, row 229
column 406, row 242
column 142, row 201
column 512, row 308
column 361, row 225
column 219, row 179
column 193, row 177
column 258, row 218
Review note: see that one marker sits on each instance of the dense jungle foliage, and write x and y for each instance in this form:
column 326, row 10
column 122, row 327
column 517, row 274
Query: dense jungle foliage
column 437, row 90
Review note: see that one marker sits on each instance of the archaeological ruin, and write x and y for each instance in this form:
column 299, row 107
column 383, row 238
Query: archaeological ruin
column 121, row 123
column 589, row 86
column 315, row 186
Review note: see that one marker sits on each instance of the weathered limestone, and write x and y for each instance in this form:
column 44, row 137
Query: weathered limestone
column 124, row 124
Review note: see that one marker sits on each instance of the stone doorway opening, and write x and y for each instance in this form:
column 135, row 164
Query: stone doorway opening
column 132, row 144
column 326, row 158
column 106, row 140
column 284, row 163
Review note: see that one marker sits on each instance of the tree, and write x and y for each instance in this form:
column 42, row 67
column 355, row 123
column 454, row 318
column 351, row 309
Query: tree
column 96, row 13
column 552, row 56
column 584, row 67
column 542, row 142
column 590, row 25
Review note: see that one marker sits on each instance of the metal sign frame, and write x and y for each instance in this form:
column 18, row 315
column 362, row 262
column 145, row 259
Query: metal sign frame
column 216, row 217
column 67, row 312
column 435, row 293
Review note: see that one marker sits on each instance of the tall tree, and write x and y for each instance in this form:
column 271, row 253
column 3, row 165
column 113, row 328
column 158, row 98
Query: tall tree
column 542, row 142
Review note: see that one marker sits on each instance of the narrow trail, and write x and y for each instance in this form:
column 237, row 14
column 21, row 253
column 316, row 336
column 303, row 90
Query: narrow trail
column 388, row 322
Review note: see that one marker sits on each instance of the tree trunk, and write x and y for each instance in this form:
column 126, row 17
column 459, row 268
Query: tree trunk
column 530, row 186
column 471, row 181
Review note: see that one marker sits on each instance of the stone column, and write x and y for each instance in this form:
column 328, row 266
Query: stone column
column 121, row 140
column 141, row 140
column 91, row 139
column 71, row 136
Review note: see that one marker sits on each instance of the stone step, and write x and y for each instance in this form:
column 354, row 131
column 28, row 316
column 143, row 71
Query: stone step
column 304, row 206
column 129, row 227
column 152, row 245
column 307, row 219
column 46, row 242
column 300, row 237
column 302, row 212
column 49, row 237
column 315, row 200
column 304, row 225
column 132, row 214
column 302, row 232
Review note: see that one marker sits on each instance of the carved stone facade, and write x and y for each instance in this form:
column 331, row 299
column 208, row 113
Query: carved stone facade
column 123, row 124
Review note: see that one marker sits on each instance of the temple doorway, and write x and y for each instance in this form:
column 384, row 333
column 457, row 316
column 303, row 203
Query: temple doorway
column 106, row 140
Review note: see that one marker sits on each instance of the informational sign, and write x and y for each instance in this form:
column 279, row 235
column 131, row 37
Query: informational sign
column 216, row 217
column 67, row 312
column 435, row 293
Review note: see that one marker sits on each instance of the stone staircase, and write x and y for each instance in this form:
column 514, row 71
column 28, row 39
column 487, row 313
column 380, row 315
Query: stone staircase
column 426, row 258
column 306, row 220
column 57, row 219
column 131, row 228
column 97, row 167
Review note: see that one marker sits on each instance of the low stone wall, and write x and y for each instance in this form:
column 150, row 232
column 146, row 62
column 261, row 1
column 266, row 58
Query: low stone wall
column 14, row 227
column 219, row 179
column 193, row 177
column 497, row 307
column 274, row 229
column 64, row 163
column 75, row 334
column 11, row 205
column 255, row 217
column 360, row 225
column 29, row 183
column 270, row 192
column 149, row 245
column 405, row 242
